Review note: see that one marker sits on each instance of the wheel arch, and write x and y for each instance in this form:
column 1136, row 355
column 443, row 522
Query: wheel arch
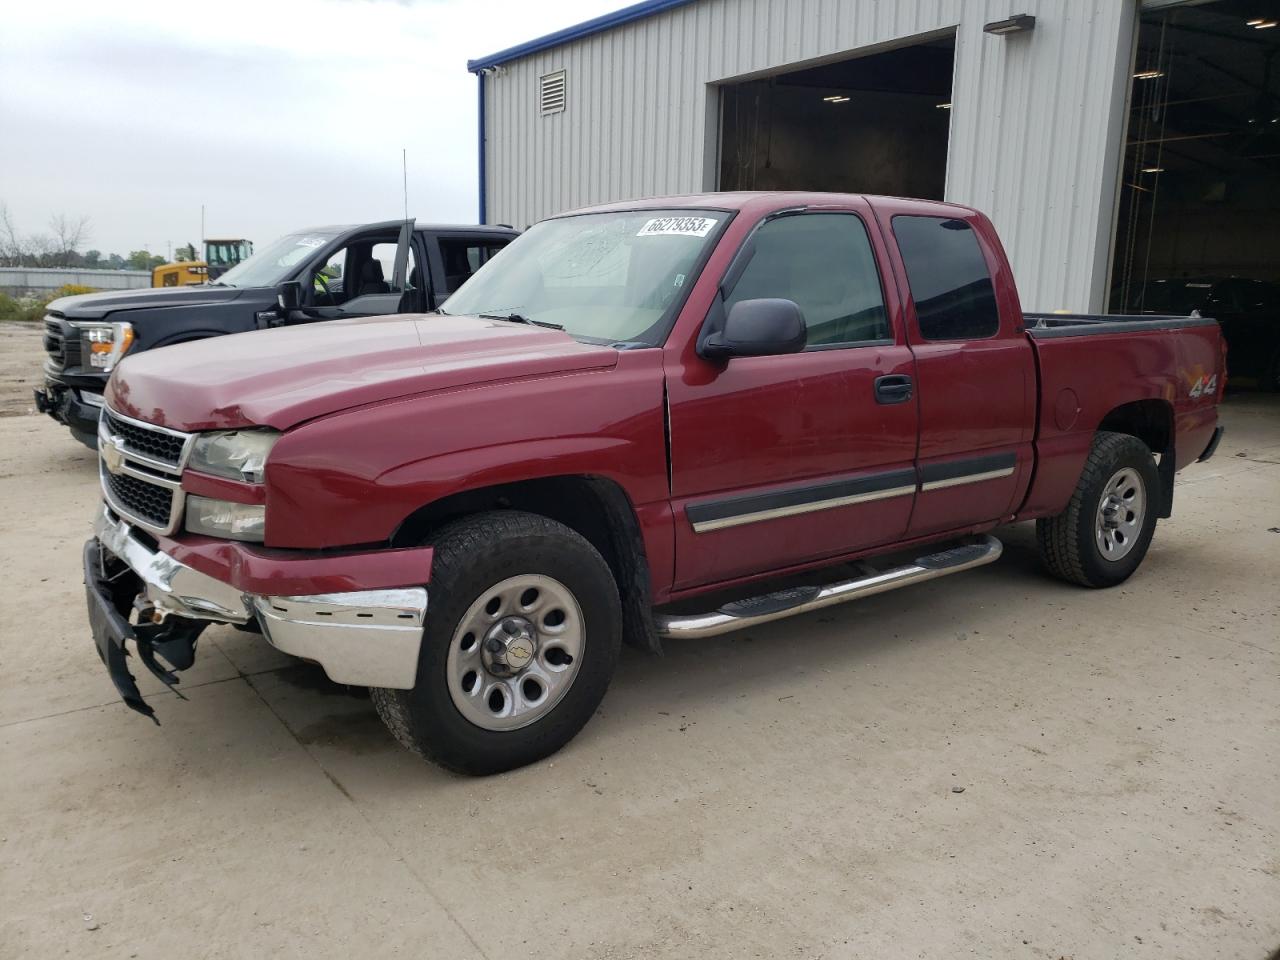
column 1151, row 421
column 595, row 507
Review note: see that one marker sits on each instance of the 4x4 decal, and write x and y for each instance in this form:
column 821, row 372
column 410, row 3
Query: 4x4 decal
column 1206, row 386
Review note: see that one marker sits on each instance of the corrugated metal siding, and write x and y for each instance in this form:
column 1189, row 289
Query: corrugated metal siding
column 1035, row 127
column 51, row 278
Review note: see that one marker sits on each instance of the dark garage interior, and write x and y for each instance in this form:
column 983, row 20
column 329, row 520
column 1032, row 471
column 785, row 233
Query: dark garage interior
column 876, row 123
column 1198, row 225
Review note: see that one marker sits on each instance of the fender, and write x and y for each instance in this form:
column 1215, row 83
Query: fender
column 366, row 469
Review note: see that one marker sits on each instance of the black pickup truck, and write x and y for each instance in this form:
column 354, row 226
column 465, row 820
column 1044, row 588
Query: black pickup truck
column 323, row 273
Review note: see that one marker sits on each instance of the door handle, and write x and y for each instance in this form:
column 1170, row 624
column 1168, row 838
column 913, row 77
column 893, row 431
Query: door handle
column 893, row 388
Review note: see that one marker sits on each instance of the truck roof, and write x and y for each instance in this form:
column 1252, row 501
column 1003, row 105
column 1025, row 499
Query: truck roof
column 497, row 229
column 741, row 199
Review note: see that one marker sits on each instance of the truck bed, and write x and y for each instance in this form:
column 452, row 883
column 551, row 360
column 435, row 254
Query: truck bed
column 1168, row 365
column 1048, row 326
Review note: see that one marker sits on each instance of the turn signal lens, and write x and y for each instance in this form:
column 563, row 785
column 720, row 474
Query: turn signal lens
column 105, row 343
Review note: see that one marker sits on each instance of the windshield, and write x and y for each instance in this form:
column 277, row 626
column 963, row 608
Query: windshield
column 607, row 277
column 275, row 262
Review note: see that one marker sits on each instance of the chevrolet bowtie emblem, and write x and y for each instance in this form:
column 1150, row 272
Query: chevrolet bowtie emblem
column 113, row 454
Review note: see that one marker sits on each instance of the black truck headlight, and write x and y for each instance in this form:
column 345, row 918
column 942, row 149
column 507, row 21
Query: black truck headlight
column 103, row 344
column 221, row 518
column 234, row 454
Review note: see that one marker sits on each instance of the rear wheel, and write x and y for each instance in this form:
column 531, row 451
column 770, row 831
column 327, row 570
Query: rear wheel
column 1103, row 535
column 522, row 636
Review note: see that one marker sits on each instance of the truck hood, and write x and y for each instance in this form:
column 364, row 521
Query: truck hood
column 95, row 306
column 281, row 377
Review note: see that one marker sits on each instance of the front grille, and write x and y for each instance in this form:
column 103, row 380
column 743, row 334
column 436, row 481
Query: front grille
column 54, row 344
column 145, row 501
column 62, row 352
column 164, row 447
column 141, row 468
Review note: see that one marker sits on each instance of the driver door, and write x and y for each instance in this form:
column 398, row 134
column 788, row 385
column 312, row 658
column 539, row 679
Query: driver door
column 365, row 276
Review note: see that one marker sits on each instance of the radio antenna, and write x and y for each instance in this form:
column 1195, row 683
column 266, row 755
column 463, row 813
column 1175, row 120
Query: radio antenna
column 404, row 169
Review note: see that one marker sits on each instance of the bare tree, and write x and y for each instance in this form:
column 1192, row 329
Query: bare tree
column 11, row 246
column 58, row 248
column 68, row 234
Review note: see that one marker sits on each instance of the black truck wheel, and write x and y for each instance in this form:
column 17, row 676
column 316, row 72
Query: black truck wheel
column 1102, row 536
column 521, row 639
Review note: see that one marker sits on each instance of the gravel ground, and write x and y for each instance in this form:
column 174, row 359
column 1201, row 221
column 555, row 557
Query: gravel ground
column 787, row 792
column 20, row 359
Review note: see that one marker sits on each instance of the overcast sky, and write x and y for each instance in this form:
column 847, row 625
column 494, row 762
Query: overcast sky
column 276, row 114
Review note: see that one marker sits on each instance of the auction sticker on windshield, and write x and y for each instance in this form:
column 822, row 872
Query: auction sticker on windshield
column 676, row 227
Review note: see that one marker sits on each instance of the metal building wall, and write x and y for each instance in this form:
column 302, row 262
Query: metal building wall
column 1036, row 126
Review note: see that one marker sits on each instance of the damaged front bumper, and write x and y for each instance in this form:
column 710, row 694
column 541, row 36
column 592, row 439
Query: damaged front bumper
column 362, row 638
column 73, row 407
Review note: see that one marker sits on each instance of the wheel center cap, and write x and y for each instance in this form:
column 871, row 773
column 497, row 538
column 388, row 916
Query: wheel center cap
column 1111, row 513
column 509, row 646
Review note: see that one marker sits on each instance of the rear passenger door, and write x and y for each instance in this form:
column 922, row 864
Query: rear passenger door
column 975, row 374
column 782, row 460
column 457, row 256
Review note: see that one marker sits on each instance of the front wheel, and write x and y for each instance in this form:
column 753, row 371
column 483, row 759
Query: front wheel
column 1103, row 535
column 522, row 635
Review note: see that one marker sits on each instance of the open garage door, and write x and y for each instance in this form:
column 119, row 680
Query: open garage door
column 868, row 124
column 1198, row 227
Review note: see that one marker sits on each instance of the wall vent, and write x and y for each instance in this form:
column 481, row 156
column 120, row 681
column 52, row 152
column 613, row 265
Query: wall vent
column 551, row 93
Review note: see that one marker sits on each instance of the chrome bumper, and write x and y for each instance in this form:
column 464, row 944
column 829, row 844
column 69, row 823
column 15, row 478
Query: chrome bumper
column 368, row 638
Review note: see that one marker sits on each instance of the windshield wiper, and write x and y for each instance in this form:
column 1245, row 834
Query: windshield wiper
column 519, row 318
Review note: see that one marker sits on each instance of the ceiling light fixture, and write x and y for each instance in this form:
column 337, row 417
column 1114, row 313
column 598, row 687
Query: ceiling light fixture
column 1148, row 75
column 1265, row 24
column 1020, row 23
column 835, row 99
column 943, row 106
column 1153, row 169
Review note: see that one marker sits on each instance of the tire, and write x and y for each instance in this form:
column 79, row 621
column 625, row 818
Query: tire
column 1079, row 545
column 507, row 556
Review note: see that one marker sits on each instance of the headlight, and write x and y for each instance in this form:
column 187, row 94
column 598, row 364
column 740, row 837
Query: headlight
column 219, row 518
column 234, row 454
column 104, row 343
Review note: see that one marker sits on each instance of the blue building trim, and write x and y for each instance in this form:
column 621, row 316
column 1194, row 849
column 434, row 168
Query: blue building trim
column 484, row 200
column 637, row 11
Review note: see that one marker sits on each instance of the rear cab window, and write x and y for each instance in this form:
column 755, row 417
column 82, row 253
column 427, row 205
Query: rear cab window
column 824, row 263
column 949, row 278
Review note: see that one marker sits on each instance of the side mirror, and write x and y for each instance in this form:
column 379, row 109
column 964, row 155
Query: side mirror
column 757, row 328
column 289, row 295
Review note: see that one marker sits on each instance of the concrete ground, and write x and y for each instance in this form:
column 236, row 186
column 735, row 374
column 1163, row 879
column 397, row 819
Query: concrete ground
column 789, row 792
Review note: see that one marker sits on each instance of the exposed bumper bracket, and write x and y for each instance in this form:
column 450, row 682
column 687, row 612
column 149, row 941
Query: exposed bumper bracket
column 363, row 638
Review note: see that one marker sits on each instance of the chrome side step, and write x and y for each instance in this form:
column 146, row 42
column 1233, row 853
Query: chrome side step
column 794, row 600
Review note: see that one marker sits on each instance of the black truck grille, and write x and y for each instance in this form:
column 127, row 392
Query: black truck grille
column 62, row 352
column 145, row 501
column 148, row 443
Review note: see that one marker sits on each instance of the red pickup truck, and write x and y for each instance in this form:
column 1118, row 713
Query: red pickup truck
column 648, row 420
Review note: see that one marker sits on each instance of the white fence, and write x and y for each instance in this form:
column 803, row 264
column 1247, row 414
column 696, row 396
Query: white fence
column 26, row 281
